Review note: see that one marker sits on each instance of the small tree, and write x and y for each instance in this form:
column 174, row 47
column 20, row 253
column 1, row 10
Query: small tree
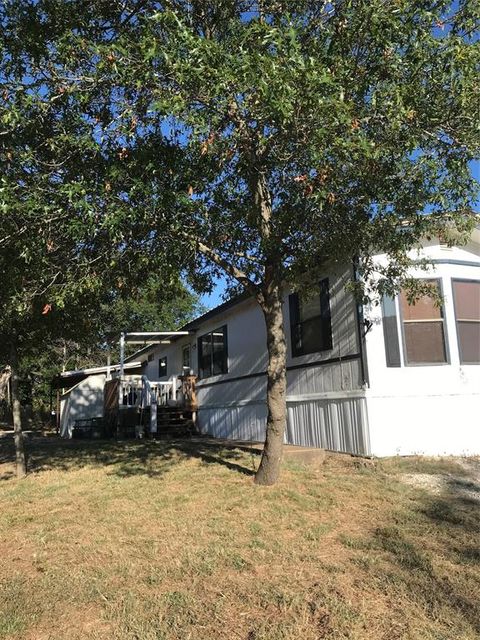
column 272, row 138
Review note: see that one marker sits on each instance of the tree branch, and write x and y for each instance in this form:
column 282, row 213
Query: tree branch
column 230, row 269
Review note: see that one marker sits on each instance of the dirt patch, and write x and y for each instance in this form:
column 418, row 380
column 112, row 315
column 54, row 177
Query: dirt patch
column 465, row 486
column 434, row 483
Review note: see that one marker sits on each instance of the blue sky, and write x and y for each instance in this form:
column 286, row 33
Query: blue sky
column 213, row 299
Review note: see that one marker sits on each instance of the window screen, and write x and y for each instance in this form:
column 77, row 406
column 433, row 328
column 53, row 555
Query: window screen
column 423, row 330
column 310, row 322
column 212, row 353
column 466, row 296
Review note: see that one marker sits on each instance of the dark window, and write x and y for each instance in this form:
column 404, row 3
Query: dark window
column 390, row 332
column 150, row 357
column 186, row 358
column 310, row 322
column 423, row 330
column 162, row 367
column 212, row 353
column 466, row 296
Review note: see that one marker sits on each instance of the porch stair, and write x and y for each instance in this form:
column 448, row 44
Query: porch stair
column 173, row 422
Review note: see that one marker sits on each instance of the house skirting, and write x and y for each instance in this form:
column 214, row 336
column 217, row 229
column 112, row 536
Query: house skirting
column 337, row 422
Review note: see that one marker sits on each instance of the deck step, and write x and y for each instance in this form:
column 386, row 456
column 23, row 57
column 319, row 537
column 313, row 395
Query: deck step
column 173, row 422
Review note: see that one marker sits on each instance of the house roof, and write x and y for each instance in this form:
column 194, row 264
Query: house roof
column 225, row 306
column 194, row 324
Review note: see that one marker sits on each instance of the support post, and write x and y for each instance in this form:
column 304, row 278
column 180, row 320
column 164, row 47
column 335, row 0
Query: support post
column 109, row 362
column 122, row 353
column 58, row 416
column 122, row 366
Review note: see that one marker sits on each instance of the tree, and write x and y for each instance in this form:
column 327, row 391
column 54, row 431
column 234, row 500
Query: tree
column 63, row 248
column 269, row 139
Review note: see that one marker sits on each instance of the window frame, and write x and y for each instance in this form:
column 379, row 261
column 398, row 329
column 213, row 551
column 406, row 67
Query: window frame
column 452, row 280
column 406, row 363
column 223, row 329
column 325, row 316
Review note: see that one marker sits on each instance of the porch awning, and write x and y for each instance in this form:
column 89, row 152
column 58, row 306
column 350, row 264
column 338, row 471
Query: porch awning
column 154, row 337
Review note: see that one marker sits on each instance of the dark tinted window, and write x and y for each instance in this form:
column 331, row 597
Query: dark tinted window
column 212, row 353
column 162, row 367
column 186, row 357
column 310, row 321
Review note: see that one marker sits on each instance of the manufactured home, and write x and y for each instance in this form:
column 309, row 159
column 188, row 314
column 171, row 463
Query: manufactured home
column 389, row 378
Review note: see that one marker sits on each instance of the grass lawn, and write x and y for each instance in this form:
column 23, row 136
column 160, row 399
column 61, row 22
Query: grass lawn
column 152, row 541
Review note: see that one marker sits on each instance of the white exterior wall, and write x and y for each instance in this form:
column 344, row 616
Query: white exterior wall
column 433, row 410
column 81, row 402
column 173, row 353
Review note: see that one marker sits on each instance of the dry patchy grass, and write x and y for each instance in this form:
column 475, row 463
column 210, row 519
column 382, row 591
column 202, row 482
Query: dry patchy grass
column 151, row 541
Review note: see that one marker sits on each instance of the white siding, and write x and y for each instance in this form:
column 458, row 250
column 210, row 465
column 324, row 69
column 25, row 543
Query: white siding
column 83, row 401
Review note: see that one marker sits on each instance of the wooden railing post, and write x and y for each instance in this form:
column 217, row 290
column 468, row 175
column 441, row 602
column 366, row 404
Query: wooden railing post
column 189, row 392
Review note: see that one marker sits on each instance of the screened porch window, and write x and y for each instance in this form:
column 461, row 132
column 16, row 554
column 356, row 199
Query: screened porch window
column 310, row 322
column 466, row 297
column 423, row 330
column 212, row 353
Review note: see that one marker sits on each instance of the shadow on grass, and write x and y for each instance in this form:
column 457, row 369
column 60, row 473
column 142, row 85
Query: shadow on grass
column 126, row 458
column 411, row 554
column 6, row 475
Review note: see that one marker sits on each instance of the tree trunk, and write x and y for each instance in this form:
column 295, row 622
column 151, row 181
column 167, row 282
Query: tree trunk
column 20, row 456
column 269, row 469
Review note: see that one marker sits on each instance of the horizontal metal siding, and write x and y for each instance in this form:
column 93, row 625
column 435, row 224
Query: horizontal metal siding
column 338, row 424
column 335, row 377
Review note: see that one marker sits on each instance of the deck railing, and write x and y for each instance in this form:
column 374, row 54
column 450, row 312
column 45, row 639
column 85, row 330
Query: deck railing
column 138, row 391
column 127, row 397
